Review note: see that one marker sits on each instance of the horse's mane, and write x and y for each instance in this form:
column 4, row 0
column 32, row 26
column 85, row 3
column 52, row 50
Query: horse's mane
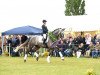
column 57, row 29
column 54, row 34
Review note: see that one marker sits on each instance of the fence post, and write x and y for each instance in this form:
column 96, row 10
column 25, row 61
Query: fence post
column 2, row 45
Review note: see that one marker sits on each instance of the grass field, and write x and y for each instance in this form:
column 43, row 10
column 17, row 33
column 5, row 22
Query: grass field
column 70, row 66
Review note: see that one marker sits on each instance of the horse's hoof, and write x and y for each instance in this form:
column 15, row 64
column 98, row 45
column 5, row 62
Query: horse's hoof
column 48, row 60
column 37, row 58
column 24, row 60
column 62, row 59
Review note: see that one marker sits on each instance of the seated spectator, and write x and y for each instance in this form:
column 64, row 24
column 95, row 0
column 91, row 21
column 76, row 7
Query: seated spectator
column 89, row 49
column 99, row 49
column 60, row 48
column 60, row 44
column 56, row 52
column 80, row 49
column 98, row 38
column 94, row 39
column 69, row 48
column 96, row 51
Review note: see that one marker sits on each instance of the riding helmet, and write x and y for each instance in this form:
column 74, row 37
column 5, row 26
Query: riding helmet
column 44, row 21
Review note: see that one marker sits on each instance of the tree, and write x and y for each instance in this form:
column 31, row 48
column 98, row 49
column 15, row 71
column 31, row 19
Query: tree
column 75, row 7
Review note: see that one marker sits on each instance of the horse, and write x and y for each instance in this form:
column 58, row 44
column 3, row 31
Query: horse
column 34, row 43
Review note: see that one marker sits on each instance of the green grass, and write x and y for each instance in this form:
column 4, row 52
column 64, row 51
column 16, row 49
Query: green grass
column 70, row 66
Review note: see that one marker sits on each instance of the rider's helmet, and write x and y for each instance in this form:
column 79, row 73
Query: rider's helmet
column 44, row 21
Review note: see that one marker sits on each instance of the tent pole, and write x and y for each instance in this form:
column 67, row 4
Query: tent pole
column 2, row 45
column 9, row 50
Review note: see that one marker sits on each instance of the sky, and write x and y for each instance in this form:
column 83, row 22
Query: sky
column 17, row 13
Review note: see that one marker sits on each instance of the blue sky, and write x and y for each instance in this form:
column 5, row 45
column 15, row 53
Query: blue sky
column 16, row 13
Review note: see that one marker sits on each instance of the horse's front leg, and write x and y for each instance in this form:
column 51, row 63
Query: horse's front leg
column 48, row 57
column 61, row 55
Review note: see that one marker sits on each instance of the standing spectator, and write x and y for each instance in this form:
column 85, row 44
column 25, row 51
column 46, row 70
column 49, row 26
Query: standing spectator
column 23, row 38
column 14, row 41
column 17, row 40
column 9, row 42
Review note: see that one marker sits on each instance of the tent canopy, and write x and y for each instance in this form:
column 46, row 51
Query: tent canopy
column 24, row 30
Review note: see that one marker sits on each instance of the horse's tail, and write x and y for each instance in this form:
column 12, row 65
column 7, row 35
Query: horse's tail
column 21, row 45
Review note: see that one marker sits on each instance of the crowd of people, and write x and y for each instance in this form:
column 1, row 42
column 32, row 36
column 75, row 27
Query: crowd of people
column 86, row 45
column 12, row 41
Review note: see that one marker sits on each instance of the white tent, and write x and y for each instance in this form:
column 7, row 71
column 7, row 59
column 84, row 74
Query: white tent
column 75, row 23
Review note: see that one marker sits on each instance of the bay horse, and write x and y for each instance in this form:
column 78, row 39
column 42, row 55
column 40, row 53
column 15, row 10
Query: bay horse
column 34, row 43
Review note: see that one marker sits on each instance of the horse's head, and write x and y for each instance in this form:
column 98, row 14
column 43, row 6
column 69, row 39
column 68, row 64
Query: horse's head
column 59, row 32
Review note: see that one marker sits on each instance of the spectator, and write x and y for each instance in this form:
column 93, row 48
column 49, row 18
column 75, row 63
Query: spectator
column 89, row 49
column 23, row 38
column 9, row 42
column 14, row 41
column 78, row 40
column 69, row 48
column 96, row 51
column 87, row 40
column 80, row 49
column 94, row 39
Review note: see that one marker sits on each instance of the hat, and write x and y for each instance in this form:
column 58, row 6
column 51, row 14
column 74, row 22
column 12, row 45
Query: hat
column 44, row 21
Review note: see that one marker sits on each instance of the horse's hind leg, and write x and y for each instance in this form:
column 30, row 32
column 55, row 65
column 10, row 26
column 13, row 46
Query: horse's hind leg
column 37, row 55
column 25, row 57
column 36, row 48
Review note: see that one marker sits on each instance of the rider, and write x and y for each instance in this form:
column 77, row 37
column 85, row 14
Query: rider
column 45, row 32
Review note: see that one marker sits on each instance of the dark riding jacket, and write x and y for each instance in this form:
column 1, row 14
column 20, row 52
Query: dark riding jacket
column 45, row 29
